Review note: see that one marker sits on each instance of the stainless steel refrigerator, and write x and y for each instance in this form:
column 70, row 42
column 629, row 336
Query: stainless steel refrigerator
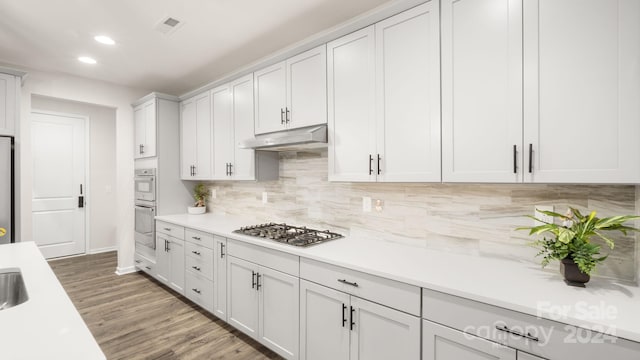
column 6, row 190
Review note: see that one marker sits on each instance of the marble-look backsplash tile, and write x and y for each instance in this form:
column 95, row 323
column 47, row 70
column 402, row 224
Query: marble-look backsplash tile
column 465, row 218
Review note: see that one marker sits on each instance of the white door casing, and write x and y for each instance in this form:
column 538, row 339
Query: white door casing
column 60, row 153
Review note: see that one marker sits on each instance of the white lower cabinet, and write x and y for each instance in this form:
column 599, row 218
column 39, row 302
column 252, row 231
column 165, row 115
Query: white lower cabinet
column 220, row 277
column 264, row 304
column 170, row 261
column 443, row 343
column 335, row 325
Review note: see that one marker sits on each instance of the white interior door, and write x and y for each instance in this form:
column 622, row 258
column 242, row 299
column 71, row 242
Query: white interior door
column 58, row 150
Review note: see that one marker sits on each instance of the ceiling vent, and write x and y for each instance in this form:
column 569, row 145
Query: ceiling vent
column 168, row 25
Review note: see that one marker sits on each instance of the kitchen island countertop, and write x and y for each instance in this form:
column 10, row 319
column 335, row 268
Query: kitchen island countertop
column 47, row 326
column 604, row 306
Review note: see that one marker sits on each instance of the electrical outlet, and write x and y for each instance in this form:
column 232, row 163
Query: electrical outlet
column 366, row 204
column 265, row 197
column 541, row 216
column 379, row 203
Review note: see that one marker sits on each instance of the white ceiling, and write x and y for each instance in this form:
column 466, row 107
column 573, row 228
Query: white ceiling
column 218, row 36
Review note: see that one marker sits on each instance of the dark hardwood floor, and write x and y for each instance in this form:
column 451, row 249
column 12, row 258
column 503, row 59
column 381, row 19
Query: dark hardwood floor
column 134, row 317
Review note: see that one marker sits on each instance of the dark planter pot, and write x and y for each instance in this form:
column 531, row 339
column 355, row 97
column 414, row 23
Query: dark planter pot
column 572, row 274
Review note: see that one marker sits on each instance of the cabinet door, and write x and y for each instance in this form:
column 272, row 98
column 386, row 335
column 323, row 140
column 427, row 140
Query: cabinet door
column 243, row 163
column 220, row 277
column 9, row 87
column 279, row 311
column 149, row 149
column 307, row 88
column 203, row 137
column 139, row 119
column 443, row 343
column 176, row 276
column 222, row 132
column 481, row 90
column 408, row 95
column 163, row 259
column 242, row 296
column 188, row 131
column 271, row 98
column 324, row 323
column 381, row 333
column 582, row 87
column 351, row 101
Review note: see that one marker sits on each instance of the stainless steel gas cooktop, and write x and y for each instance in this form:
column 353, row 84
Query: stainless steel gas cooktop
column 292, row 235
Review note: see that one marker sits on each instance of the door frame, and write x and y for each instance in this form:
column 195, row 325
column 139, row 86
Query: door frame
column 87, row 169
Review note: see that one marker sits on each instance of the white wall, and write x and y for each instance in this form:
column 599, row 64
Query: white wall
column 73, row 88
column 100, row 198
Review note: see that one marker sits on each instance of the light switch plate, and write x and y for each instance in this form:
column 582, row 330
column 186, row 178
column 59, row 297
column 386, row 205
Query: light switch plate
column 366, row 204
column 265, row 197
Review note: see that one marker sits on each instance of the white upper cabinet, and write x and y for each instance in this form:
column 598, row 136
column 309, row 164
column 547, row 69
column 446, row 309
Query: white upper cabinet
column 221, row 100
column 384, row 100
column 533, row 91
column 481, row 90
column 271, row 98
column 196, row 134
column 243, row 163
column 408, row 95
column 351, row 99
column 145, row 129
column 9, row 103
column 582, row 88
column 292, row 94
column 307, row 88
column 233, row 112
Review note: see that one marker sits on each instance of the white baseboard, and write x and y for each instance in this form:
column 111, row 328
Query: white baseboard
column 102, row 250
column 126, row 270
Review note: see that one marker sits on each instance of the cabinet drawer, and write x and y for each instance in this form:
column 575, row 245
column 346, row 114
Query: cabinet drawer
column 144, row 264
column 170, row 229
column 199, row 290
column 555, row 340
column 199, row 237
column 274, row 259
column 199, row 260
column 387, row 292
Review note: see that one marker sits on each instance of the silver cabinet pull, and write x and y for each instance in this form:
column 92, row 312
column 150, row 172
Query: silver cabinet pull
column 197, row 268
column 287, row 117
column 197, row 291
column 195, row 252
column 195, row 238
column 222, row 250
column 282, row 116
column 167, row 229
column 344, row 281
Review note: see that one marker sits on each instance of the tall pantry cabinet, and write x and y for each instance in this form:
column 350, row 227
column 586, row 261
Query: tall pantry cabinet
column 533, row 91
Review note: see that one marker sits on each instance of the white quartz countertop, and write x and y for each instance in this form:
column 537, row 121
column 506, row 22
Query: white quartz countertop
column 604, row 305
column 47, row 326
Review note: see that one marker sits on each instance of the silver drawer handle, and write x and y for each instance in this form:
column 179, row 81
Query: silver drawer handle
column 148, row 268
column 527, row 336
column 195, row 238
column 196, row 268
column 196, row 291
column 196, row 252
column 138, row 261
column 167, row 229
column 344, row 281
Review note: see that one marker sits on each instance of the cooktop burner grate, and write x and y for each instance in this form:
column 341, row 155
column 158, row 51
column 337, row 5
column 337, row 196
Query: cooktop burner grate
column 292, row 235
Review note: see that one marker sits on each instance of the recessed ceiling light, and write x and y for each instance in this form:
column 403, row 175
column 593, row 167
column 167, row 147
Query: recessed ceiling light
column 87, row 60
column 104, row 40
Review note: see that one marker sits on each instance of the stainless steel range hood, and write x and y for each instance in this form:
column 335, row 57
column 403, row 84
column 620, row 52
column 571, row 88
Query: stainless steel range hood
column 311, row 137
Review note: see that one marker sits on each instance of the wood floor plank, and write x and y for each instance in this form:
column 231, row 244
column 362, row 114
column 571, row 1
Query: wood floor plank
column 134, row 317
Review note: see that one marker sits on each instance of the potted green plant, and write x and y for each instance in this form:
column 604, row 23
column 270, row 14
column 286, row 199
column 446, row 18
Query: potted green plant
column 570, row 242
column 201, row 194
